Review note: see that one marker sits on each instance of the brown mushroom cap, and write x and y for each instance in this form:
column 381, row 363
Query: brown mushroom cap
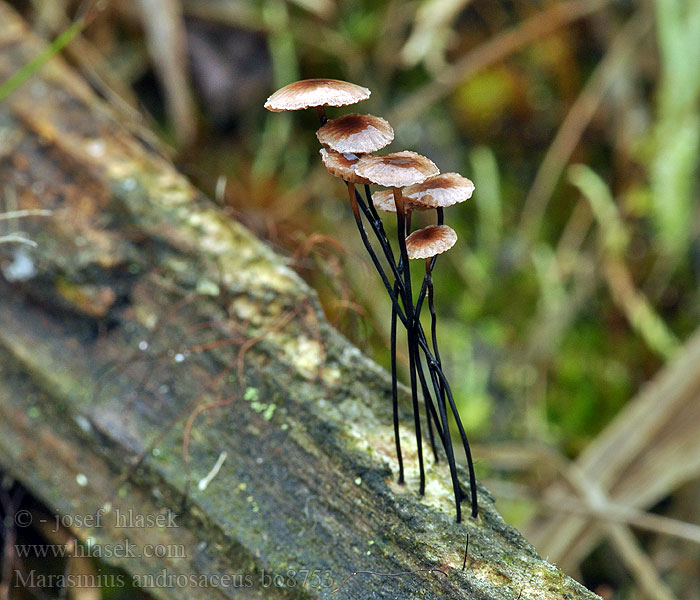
column 440, row 191
column 384, row 200
column 396, row 170
column 316, row 92
column 342, row 165
column 429, row 241
column 356, row 134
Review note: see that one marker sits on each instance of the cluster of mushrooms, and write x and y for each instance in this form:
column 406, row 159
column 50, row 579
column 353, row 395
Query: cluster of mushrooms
column 415, row 184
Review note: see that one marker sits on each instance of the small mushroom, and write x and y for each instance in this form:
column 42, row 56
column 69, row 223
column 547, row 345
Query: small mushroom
column 397, row 170
column 349, row 141
column 440, row 191
column 342, row 165
column 356, row 133
column 430, row 241
column 384, row 200
column 316, row 93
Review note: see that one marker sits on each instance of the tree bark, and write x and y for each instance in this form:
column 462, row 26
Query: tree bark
column 147, row 320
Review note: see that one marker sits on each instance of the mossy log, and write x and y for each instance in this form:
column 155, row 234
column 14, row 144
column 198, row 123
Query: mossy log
column 148, row 326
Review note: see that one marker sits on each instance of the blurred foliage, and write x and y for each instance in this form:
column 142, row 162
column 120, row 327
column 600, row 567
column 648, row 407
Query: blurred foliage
column 552, row 313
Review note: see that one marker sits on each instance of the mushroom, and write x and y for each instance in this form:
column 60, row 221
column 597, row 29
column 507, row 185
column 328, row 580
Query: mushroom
column 357, row 134
column 348, row 142
column 384, row 200
column 316, row 93
column 440, row 191
column 396, row 171
column 430, row 241
column 342, row 165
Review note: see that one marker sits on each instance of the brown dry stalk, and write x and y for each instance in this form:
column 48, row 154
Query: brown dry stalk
column 492, row 52
column 576, row 121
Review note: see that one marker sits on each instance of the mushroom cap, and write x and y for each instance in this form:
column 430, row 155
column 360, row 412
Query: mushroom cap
column 316, row 92
column 396, row 170
column 356, row 133
column 384, row 200
column 429, row 241
column 440, row 191
column 342, row 165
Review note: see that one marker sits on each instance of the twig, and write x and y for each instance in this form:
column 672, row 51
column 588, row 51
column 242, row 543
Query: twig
column 466, row 554
column 206, row 480
column 611, row 512
column 30, row 212
column 6, row 239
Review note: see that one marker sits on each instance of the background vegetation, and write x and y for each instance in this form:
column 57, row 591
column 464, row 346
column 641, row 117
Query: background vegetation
column 577, row 273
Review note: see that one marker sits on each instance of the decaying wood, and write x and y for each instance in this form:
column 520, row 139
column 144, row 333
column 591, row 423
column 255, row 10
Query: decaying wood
column 144, row 305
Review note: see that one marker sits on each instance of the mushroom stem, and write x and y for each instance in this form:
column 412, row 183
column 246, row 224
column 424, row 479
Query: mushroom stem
column 378, row 228
column 465, row 441
column 399, row 291
column 372, row 208
column 430, row 411
column 395, row 390
column 440, row 382
column 375, row 260
column 436, row 371
column 353, row 202
column 321, row 112
column 440, row 388
column 429, row 264
column 437, row 384
column 410, row 329
column 438, row 378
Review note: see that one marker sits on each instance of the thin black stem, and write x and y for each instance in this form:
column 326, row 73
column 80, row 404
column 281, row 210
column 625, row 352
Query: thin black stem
column 375, row 260
column 429, row 406
column 437, row 371
column 423, row 290
column 431, row 307
column 372, row 208
column 416, row 332
column 440, row 392
column 440, row 381
column 430, row 411
column 465, row 444
column 378, row 228
column 430, row 414
column 395, row 390
column 321, row 112
column 410, row 329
